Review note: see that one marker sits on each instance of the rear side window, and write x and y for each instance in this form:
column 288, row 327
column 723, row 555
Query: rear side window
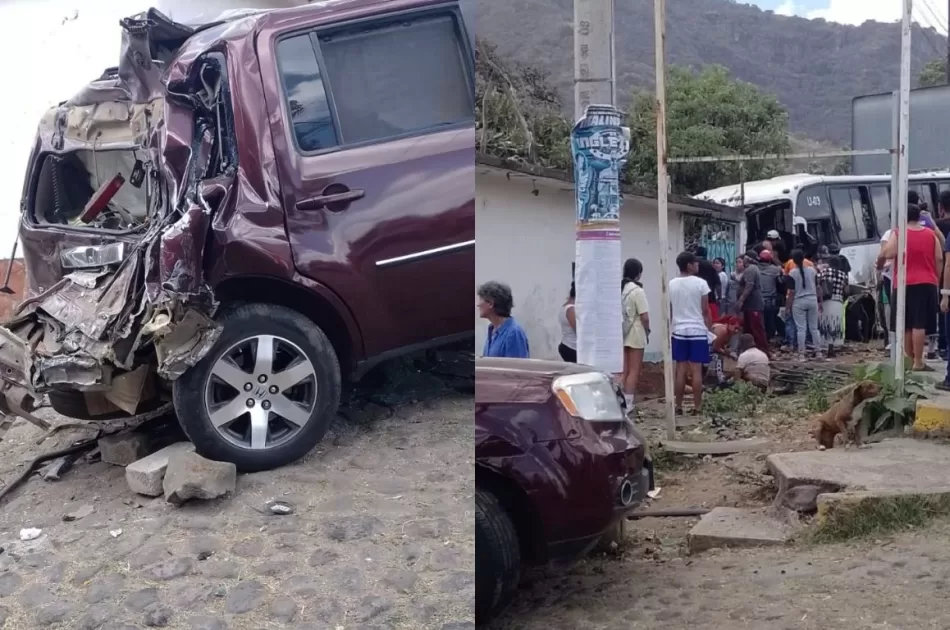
column 383, row 80
column 306, row 96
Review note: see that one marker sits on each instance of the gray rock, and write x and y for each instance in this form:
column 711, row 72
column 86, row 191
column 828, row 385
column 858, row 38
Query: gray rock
column 445, row 560
column 802, row 498
column 157, row 616
column 149, row 555
column 95, row 617
column 36, row 597
column 373, row 606
column 322, row 557
column 352, row 527
column 55, row 574
column 457, row 582
column 283, row 610
column 104, row 588
column 140, row 600
column 400, row 580
column 169, row 569
column 207, row 623
column 222, row 570
column 54, row 613
column 9, row 583
column 430, row 528
column 244, row 597
column 123, row 448
column 191, row 476
column 188, row 596
column 146, row 475
column 459, row 625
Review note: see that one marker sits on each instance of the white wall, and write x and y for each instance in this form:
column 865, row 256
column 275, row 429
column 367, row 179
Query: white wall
column 527, row 242
column 51, row 49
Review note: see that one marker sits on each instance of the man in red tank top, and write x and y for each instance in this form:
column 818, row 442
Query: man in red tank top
column 924, row 259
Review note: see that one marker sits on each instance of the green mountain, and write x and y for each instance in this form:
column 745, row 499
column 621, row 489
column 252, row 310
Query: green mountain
column 815, row 67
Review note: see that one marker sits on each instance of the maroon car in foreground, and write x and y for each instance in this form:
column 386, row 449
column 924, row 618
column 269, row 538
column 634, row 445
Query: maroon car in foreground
column 242, row 214
column 557, row 465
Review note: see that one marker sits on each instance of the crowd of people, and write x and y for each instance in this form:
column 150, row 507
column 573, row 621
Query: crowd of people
column 770, row 299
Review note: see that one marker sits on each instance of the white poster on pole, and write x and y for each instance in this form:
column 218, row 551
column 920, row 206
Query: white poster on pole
column 599, row 146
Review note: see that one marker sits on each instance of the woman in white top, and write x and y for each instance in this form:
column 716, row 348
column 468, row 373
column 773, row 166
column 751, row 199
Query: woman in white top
column 636, row 326
column 568, row 320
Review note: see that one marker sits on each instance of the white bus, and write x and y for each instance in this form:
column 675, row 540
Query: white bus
column 850, row 211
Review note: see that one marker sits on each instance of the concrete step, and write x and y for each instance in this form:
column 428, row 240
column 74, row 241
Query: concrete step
column 738, row 527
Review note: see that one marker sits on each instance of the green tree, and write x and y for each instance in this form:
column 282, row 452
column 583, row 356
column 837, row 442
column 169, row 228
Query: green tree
column 934, row 73
column 708, row 113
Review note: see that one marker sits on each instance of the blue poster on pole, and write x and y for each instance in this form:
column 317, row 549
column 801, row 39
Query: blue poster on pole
column 599, row 145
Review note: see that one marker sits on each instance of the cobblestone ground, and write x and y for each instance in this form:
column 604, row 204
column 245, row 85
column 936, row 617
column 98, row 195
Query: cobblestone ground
column 898, row 584
column 382, row 535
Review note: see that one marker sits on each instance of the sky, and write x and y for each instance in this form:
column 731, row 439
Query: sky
column 926, row 12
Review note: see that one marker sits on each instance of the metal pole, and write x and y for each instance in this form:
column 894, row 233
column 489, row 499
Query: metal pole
column 903, row 171
column 593, row 54
column 895, row 207
column 947, row 62
column 662, row 192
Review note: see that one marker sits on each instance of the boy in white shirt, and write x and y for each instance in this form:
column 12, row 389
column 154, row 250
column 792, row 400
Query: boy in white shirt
column 690, row 324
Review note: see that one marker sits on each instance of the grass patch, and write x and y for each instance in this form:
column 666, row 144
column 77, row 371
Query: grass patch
column 868, row 516
column 816, row 394
column 665, row 461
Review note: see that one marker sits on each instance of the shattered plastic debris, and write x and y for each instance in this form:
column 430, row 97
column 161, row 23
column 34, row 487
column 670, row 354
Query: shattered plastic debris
column 654, row 493
column 30, row 533
column 115, row 533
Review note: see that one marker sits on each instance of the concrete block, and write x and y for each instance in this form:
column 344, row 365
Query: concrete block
column 191, row 476
column 146, row 475
column 738, row 527
column 834, row 506
column 899, row 464
column 122, row 449
column 933, row 415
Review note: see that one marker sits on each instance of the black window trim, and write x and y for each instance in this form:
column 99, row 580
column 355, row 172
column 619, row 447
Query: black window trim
column 466, row 54
column 859, row 221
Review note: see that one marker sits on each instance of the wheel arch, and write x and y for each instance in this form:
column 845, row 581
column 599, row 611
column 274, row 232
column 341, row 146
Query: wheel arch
column 520, row 509
column 322, row 307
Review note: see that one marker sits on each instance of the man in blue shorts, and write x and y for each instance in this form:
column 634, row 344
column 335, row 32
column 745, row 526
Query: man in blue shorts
column 690, row 325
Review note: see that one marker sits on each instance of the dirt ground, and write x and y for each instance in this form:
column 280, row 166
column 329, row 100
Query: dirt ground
column 381, row 537
column 653, row 582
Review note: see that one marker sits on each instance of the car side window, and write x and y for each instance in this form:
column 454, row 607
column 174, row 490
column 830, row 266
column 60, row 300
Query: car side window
column 307, row 100
column 397, row 78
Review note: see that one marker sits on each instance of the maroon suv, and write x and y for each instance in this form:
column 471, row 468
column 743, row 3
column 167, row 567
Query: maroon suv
column 557, row 465
column 244, row 213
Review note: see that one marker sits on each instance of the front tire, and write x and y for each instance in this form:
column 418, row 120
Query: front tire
column 265, row 394
column 497, row 557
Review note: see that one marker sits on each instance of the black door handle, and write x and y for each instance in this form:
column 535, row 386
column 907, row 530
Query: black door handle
column 338, row 199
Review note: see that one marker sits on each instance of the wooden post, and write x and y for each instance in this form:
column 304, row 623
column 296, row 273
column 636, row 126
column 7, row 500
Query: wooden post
column 662, row 193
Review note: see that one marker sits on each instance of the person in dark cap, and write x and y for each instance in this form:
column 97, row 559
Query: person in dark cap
column 750, row 303
column 708, row 273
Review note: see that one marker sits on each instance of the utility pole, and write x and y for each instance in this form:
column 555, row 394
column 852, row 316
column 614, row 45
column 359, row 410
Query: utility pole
column 594, row 68
column 947, row 62
column 900, row 272
column 662, row 193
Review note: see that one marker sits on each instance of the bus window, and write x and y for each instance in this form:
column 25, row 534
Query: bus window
column 924, row 193
column 881, row 200
column 855, row 223
column 942, row 186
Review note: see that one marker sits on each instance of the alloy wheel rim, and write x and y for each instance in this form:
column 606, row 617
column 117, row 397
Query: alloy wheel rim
column 261, row 392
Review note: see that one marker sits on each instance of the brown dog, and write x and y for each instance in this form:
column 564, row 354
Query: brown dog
column 838, row 418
